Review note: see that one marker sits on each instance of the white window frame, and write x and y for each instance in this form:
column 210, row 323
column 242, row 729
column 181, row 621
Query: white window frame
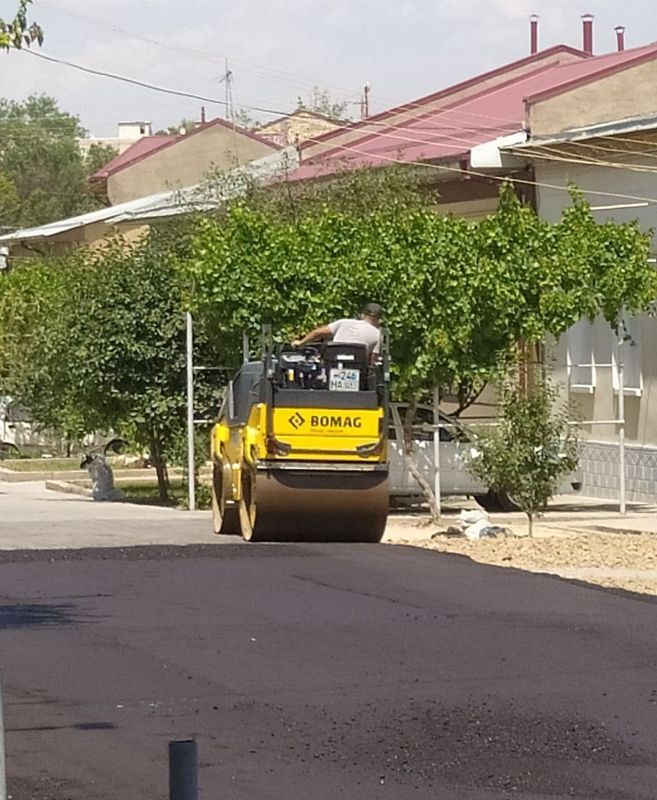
column 584, row 329
column 629, row 347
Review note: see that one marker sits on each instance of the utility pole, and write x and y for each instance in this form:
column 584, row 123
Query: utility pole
column 365, row 101
column 228, row 80
column 191, row 471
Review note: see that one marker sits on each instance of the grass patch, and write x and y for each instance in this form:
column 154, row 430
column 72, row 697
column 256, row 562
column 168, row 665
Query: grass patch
column 146, row 493
column 40, row 464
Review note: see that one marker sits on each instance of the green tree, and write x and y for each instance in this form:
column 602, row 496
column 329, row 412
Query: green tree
column 533, row 448
column 9, row 202
column 459, row 296
column 244, row 119
column 97, row 342
column 40, row 155
column 97, row 156
column 19, row 31
column 321, row 101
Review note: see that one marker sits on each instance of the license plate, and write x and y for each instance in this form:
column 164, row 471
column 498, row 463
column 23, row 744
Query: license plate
column 344, row 380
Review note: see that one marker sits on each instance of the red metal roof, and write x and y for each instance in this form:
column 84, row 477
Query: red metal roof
column 555, row 51
column 452, row 130
column 137, row 150
column 151, row 144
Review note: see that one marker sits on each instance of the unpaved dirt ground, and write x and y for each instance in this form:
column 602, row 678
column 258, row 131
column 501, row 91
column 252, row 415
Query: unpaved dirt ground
column 617, row 560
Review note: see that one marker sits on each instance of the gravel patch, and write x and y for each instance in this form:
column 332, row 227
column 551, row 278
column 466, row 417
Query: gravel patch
column 615, row 560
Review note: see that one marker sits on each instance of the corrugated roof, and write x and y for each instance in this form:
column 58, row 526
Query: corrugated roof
column 135, row 152
column 449, row 132
column 201, row 197
column 131, row 156
column 444, row 94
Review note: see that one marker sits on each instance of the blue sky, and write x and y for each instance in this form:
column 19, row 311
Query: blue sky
column 278, row 50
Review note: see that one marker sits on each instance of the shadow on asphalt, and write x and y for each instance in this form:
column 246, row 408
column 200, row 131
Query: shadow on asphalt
column 36, row 615
column 80, row 726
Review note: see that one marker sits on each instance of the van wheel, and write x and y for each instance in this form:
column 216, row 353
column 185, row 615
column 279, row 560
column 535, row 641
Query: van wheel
column 496, row 502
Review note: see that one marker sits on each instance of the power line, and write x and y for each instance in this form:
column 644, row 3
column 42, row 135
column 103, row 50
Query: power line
column 132, row 81
column 497, row 178
column 343, row 148
column 283, row 76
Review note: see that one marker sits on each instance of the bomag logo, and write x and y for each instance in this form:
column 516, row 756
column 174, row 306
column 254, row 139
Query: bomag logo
column 296, row 420
column 335, row 421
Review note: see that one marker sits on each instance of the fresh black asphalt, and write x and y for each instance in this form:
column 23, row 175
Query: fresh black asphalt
column 322, row 672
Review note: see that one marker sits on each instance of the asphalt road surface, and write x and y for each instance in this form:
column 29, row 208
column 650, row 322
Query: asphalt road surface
column 320, row 672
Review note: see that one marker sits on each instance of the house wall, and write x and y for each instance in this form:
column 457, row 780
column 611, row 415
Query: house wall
column 624, row 94
column 351, row 135
column 297, row 127
column 600, row 401
column 185, row 163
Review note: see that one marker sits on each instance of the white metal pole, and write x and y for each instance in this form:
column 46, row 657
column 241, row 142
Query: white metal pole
column 246, row 347
column 621, row 431
column 190, row 413
column 436, row 448
column 3, row 762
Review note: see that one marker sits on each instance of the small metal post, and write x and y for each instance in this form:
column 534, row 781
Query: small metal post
column 436, row 448
column 190, row 413
column 3, row 762
column 246, row 348
column 621, row 431
column 183, row 770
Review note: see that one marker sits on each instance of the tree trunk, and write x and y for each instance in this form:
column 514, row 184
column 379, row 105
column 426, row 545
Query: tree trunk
column 411, row 462
column 160, row 464
column 530, row 518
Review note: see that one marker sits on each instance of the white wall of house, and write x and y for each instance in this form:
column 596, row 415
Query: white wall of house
column 595, row 388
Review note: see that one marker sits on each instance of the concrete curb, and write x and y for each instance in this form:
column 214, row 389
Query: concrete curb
column 13, row 476
column 68, row 488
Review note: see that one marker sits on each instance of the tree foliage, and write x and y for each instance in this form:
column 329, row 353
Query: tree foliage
column 96, row 339
column 458, row 295
column 533, row 448
column 20, row 32
column 97, row 342
column 41, row 157
column 321, row 101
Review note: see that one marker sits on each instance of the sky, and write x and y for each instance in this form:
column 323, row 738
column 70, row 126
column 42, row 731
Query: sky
column 278, row 50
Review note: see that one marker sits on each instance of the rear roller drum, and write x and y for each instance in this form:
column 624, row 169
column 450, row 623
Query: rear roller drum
column 225, row 518
column 248, row 509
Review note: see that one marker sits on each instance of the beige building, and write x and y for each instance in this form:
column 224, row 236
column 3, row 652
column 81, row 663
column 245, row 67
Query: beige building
column 300, row 126
column 614, row 165
column 128, row 134
column 161, row 163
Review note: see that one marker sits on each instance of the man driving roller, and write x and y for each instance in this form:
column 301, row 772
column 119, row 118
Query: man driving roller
column 365, row 330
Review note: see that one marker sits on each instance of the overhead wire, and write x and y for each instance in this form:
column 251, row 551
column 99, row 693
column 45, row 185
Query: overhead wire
column 490, row 177
column 179, row 93
column 276, row 73
column 552, row 154
column 406, row 106
column 343, row 148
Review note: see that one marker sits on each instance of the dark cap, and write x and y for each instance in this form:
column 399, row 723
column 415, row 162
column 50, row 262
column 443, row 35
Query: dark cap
column 373, row 310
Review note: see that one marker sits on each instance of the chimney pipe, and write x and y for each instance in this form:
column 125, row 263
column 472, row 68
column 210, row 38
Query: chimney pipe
column 587, row 24
column 620, row 38
column 533, row 34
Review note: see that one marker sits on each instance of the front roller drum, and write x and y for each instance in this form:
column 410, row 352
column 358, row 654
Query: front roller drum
column 331, row 505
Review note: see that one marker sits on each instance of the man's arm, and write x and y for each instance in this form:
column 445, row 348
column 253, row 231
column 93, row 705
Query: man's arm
column 322, row 332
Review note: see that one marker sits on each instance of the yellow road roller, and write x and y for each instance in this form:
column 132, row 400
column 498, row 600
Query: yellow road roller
column 299, row 451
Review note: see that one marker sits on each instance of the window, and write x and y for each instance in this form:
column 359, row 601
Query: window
column 579, row 357
column 627, row 348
